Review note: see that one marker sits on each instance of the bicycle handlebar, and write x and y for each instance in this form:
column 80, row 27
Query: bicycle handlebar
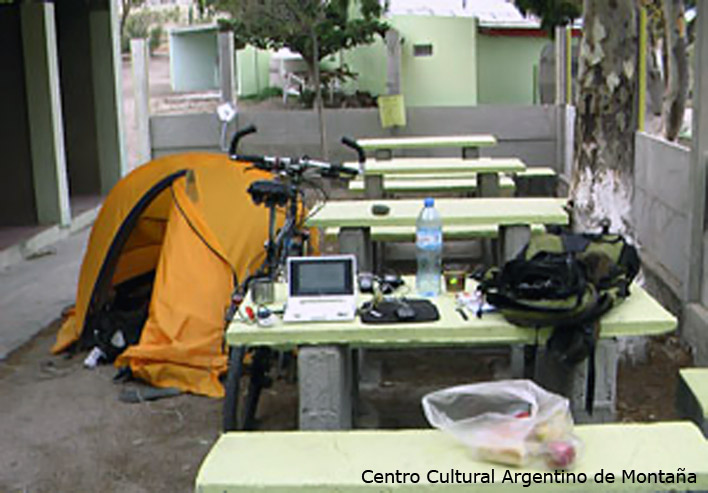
column 251, row 129
column 353, row 144
column 295, row 165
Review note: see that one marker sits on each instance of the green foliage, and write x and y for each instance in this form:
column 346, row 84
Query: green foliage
column 266, row 93
column 273, row 24
column 155, row 39
column 145, row 25
column 552, row 12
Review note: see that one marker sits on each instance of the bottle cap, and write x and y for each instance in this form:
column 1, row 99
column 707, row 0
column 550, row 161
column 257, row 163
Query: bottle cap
column 428, row 202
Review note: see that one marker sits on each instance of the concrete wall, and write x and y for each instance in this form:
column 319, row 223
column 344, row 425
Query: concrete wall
column 17, row 202
column 194, row 61
column 505, row 68
column 77, row 97
column 527, row 132
column 660, row 208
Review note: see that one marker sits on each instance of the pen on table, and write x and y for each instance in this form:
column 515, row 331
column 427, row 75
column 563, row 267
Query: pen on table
column 462, row 313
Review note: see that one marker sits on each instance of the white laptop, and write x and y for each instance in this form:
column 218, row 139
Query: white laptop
column 321, row 289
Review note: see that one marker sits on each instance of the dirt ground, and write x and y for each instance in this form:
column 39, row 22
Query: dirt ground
column 63, row 428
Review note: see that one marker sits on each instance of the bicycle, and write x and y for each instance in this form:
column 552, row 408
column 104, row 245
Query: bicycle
column 285, row 190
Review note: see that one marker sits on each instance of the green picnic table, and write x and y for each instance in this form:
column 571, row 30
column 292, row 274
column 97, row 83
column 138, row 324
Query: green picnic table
column 415, row 166
column 485, row 171
column 513, row 216
column 469, row 144
column 332, row 397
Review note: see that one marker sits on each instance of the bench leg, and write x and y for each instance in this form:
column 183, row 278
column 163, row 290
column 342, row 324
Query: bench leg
column 470, row 152
column 373, row 186
column 517, row 361
column 357, row 241
column 326, row 387
column 523, row 361
column 383, row 154
column 688, row 406
column 571, row 382
column 488, row 184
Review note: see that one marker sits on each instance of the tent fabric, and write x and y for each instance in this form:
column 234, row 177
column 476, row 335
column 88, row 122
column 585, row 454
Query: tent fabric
column 188, row 218
column 181, row 343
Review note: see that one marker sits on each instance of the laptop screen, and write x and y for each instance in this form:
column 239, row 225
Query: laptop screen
column 321, row 276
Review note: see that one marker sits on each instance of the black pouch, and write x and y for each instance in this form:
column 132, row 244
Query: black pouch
column 389, row 312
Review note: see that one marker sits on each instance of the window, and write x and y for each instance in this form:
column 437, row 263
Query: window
column 423, row 50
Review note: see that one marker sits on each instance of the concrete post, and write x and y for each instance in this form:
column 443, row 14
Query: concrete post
column 107, row 87
column 227, row 67
column 141, row 92
column 357, row 241
column 325, row 383
column 374, row 186
column 488, row 184
column 393, row 58
column 699, row 151
column 571, row 382
column 512, row 238
column 565, row 135
column 561, row 60
column 46, row 129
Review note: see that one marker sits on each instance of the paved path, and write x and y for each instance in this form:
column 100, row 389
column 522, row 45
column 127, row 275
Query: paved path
column 34, row 292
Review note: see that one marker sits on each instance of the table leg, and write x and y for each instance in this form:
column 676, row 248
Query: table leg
column 488, row 184
column 572, row 382
column 470, row 152
column 512, row 238
column 357, row 241
column 325, row 383
column 373, row 186
column 523, row 360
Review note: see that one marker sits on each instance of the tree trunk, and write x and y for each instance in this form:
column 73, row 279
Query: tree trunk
column 315, row 70
column 677, row 69
column 606, row 110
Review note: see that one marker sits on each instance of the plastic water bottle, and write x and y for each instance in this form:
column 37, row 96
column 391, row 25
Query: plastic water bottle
column 428, row 242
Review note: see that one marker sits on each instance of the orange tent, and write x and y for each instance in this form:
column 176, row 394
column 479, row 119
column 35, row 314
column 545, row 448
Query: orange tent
column 188, row 220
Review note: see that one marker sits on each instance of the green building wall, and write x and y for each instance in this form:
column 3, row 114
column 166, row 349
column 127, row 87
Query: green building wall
column 505, row 68
column 446, row 78
column 252, row 70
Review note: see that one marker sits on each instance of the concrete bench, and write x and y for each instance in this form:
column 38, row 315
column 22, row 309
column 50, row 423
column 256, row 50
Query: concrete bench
column 540, row 181
column 354, row 461
column 406, row 185
column 486, row 172
column 692, row 396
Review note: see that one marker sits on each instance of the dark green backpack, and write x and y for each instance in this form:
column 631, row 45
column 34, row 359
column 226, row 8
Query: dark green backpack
column 563, row 278
column 566, row 281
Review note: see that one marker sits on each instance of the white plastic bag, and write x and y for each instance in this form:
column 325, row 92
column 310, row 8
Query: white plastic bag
column 513, row 422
